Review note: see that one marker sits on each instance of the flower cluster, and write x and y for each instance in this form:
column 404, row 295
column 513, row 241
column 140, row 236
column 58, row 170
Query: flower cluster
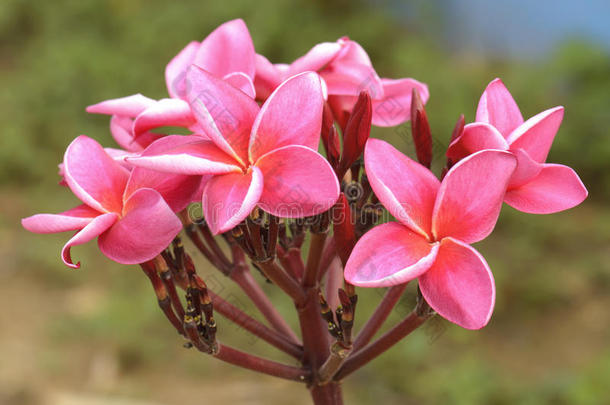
column 255, row 130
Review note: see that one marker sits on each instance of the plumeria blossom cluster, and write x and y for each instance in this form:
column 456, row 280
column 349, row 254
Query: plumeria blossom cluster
column 251, row 159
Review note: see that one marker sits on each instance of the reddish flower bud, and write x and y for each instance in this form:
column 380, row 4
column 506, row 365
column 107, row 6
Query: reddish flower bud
column 457, row 131
column 344, row 234
column 420, row 129
column 334, row 148
column 328, row 123
column 357, row 131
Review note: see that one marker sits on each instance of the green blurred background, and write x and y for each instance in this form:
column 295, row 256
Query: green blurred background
column 95, row 336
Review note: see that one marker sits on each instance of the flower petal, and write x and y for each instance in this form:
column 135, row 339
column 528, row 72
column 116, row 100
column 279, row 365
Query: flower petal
column 229, row 199
column 299, row 182
column 316, row 59
column 475, row 137
column 195, row 156
column 498, row 108
column 71, row 220
column 470, row 197
column 267, row 78
column 147, row 227
column 224, row 113
column 93, row 176
column 555, row 188
column 459, row 285
column 129, row 106
column 227, row 49
column 349, row 79
column 527, row 169
column 170, row 112
column 96, row 227
column 406, row 188
column 241, row 81
column 387, row 255
column 292, row 115
column 395, row 106
column 177, row 190
column 121, row 128
column 536, row 135
column 175, row 71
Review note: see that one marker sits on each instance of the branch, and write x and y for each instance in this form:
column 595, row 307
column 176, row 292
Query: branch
column 358, row 359
column 380, row 315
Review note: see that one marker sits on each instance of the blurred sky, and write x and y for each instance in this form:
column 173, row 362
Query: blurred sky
column 512, row 28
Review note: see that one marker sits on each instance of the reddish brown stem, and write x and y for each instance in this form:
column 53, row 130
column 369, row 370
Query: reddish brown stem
column 386, row 341
column 314, row 256
column 329, row 394
column 261, row 365
column 250, row 324
column 253, row 290
column 380, row 315
column 328, row 255
column 280, row 278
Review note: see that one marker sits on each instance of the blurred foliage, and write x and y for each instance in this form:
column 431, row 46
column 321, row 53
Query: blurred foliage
column 547, row 343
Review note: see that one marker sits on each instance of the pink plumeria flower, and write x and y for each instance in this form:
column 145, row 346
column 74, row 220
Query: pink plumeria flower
column 131, row 213
column 346, row 70
column 536, row 187
column 263, row 156
column 437, row 223
column 228, row 53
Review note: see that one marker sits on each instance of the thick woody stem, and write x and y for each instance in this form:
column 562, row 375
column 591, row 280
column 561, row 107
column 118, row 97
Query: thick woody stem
column 338, row 354
column 358, row 359
column 387, row 304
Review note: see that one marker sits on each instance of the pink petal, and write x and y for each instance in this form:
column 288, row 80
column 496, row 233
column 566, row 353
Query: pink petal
column 224, row 113
column 317, row 58
column 71, row 220
column 395, row 106
column 177, row 190
column 170, row 112
column 93, row 176
column 387, row 255
column 555, row 189
column 129, row 106
column 475, row 137
column 352, row 52
column 148, row 226
column 175, row 71
column 267, row 78
column 227, row 49
column 536, row 135
column 292, row 115
column 241, row 81
column 121, row 129
column 299, row 182
column 527, row 169
column 229, row 199
column 498, row 108
column 459, row 285
column 195, row 156
column 349, row 79
column 470, row 197
column 96, row 227
column 404, row 187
